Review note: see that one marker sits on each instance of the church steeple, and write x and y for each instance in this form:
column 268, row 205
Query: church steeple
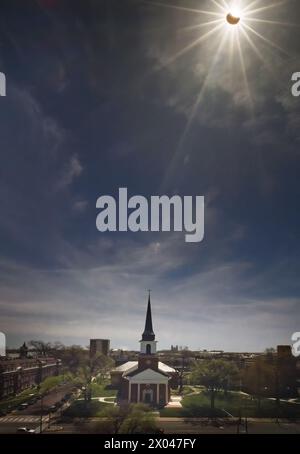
column 148, row 342
column 148, row 334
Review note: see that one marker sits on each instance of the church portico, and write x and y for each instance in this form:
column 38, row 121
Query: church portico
column 152, row 394
column 148, row 387
column 146, row 380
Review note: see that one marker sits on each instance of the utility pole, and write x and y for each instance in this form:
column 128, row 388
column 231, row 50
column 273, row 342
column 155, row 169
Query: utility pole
column 277, row 391
column 41, row 415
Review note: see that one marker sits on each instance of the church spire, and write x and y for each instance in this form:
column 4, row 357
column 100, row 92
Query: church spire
column 148, row 334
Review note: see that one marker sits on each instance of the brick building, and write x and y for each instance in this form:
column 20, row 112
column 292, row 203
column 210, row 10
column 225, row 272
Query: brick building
column 22, row 373
column 99, row 346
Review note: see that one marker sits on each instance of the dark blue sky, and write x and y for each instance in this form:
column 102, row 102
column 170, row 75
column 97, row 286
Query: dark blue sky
column 96, row 100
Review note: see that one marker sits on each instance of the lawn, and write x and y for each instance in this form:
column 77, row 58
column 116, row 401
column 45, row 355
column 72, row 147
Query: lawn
column 102, row 390
column 187, row 389
column 198, row 405
column 82, row 409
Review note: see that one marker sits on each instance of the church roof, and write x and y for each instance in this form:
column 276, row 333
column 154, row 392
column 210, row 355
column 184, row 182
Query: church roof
column 132, row 366
column 148, row 334
column 126, row 367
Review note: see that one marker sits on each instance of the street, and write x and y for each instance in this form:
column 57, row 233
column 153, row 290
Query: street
column 31, row 416
column 196, row 426
column 10, row 424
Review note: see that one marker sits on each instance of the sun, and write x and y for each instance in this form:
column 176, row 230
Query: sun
column 233, row 25
column 234, row 15
column 233, row 19
column 230, row 30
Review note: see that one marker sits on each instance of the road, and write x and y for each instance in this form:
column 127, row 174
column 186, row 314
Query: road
column 169, row 425
column 48, row 400
column 10, row 427
column 180, row 426
column 30, row 417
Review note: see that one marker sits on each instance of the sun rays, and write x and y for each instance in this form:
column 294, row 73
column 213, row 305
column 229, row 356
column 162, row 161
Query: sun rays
column 236, row 29
column 238, row 19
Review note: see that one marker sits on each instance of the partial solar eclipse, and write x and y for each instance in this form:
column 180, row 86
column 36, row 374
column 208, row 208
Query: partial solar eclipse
column 233, row 28
column 232, row 20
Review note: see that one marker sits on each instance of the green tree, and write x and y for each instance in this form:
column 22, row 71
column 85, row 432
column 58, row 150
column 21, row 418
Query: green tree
column 50, row 383
column 215, row 375
column 126, row 419
column 92, row 369
column 100, row 366
column 185, row 356
column 74, row 357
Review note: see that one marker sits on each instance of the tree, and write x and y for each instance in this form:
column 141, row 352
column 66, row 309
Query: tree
column 41, row 347
column 126, row 419
column 101, row 365
column 139, row 421
column 74, row 357
column 215, row 375
column 185, row 354
column 50, row 383
column 270, row 353
column 270, row 350
column 90, row 369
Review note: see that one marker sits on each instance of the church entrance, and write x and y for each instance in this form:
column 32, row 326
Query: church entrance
column 148, row 396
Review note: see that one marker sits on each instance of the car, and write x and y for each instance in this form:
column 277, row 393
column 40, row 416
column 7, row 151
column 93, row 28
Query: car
column 22, row 407
column 25, row 430
column 53, row 408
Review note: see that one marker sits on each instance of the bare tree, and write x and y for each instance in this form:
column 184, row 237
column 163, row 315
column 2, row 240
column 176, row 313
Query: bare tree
column 41, row 347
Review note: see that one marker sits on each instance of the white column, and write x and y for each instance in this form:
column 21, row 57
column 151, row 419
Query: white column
column 129, row 392
column 157, row 393
column 167, row 394
column 138, row 392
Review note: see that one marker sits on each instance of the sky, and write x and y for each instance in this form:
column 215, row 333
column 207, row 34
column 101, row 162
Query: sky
column 107, row 94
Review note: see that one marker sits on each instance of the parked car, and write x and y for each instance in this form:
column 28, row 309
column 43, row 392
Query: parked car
column 25, row 430
column 23, row 406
